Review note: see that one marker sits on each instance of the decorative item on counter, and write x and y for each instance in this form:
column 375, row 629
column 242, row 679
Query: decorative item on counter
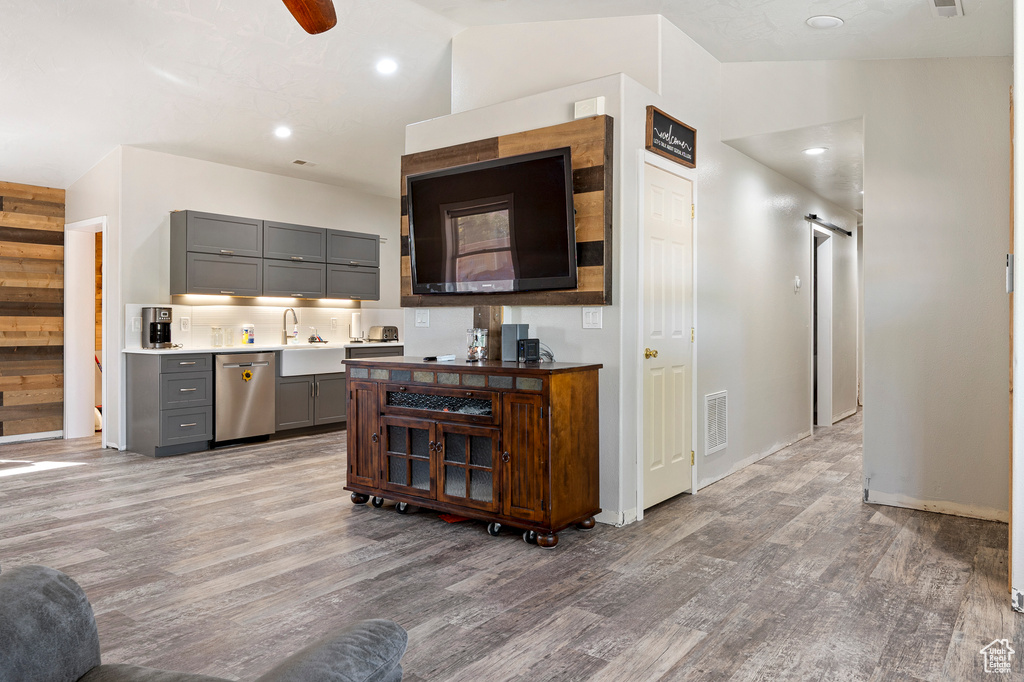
column 216, row 336
column 476, row 344
column 314, row 337
column 248, row 334
column 355, row 328
column 229, row 336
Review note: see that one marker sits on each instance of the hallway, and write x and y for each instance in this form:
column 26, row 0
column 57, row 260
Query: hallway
column 224, row 562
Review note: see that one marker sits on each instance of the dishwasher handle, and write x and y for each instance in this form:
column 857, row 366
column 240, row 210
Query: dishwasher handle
column 247, row 364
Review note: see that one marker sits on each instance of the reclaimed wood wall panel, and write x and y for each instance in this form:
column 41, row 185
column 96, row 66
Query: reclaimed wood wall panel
column 591, row 142
column 31, row 309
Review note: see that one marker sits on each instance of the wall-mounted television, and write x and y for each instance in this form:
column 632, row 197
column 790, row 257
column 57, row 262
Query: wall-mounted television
column 494, row 226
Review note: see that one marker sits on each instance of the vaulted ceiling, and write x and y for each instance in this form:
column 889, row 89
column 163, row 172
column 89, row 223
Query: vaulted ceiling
column 212, row 80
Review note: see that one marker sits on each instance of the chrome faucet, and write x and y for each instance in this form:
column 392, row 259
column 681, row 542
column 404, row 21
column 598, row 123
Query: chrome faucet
column 284, row 324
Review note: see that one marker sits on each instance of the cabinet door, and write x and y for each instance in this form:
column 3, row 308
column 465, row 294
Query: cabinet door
column 353, row 281
column 294, row 242
column 363, row 440
column 468, row 465
column 330, row 392
column 524, row 434
column 296, row 280
column 353, row 248
column 230, row 275
column 224, row 234
column 406, row 450
column 294, row 402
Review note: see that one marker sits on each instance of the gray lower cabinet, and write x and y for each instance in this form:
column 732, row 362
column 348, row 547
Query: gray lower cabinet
column 170, row 403
column 311, row 400
column 353, row 281
column 201, row 273
column 284, row 241
column 295, row 280
column 353, row 248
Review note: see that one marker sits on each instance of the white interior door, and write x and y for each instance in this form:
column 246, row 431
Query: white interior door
column 667, row 320
column 823, row 296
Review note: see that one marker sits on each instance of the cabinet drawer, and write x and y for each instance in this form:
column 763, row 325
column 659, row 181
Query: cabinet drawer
column 353, row 248
column 186, row 389
column 186, row 363
column 374, row 352
column 223, row 234
column 297, row 280
column 294, row 242
column 476, row 407
column 353, row 281
column 223, row 275
column 186, row 425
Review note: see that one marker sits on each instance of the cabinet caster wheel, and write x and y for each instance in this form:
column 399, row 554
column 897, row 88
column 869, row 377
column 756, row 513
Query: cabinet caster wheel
column 588, row 524
column 402, row 507
column 493, row 529
column 547, row 541
column 359, row 498
column 377, row 502
column 530, row 537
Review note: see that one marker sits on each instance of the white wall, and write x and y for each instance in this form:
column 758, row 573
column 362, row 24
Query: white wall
column 753, row 332
column 140, row 188
column 936, row 199
column 96, row 194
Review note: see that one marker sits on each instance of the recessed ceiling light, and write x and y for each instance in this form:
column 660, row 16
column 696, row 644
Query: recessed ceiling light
column 283, row 131
column 387, row 66
column 824, row 21
column 814, row 151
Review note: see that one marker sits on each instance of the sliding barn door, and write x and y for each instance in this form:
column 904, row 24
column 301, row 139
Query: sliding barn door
column 31, row 310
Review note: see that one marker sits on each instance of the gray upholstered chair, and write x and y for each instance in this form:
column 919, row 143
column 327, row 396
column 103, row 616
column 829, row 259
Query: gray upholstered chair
column 48, row 634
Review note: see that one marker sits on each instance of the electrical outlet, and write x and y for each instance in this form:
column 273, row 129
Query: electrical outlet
column 186, row 323
column 422, row 317
column 334, row 323
column 136, row 324
column 592, row 317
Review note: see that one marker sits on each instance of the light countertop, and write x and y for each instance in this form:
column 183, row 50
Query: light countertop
column 257, row 348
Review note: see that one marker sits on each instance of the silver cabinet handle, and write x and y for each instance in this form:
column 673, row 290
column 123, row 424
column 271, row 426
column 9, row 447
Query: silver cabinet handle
column 187, row 363
column 296, row 257
column 298, row 295
column 317, row 389
column 226, row 251
column 227, row 292
column 311, row 389
column 186, row 390
column 190, row 424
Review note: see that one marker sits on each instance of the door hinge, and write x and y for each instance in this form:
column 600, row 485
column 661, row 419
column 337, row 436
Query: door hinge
column 691, row 457
column 692, row 334
column 693, row 212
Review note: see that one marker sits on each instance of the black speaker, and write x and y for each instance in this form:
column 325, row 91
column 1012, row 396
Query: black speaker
column 529, row 350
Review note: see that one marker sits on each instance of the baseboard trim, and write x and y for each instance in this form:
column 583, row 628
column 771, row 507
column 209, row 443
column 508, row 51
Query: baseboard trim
column 616, row 519
column 29, row 437
column 753, row 459
column 844, row 415
column 937, row 506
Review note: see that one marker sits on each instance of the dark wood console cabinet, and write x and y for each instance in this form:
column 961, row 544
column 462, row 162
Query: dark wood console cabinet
column 501, row 442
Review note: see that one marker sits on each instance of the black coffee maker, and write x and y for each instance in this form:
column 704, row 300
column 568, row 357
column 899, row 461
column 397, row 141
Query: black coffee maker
column 156, row 327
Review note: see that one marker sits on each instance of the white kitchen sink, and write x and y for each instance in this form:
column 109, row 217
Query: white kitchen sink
column 311, row 360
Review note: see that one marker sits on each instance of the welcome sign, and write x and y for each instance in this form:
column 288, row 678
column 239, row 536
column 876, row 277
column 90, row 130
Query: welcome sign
column 671, row 138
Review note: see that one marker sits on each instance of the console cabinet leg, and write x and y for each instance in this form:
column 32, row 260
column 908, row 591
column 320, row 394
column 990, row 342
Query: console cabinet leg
column 547, row 541
column 586, row 524
column 359, row 498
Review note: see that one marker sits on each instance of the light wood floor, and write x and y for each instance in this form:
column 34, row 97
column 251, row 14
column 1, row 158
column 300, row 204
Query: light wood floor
column 223, row 563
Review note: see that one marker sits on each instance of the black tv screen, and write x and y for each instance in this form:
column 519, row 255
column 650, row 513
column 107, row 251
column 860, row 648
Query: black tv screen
column 494, row 226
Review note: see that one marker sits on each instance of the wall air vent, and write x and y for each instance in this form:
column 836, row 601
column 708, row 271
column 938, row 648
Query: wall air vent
column 300, row 162
column 947, row 8
column 716, row 423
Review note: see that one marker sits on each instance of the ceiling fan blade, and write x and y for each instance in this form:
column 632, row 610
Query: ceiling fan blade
column 315, row 16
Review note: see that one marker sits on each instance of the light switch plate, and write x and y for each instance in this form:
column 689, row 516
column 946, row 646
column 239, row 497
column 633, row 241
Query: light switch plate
column 186, row 323
column 334, row 323
column 422, row 317
column 136, row 324
column 592, row 317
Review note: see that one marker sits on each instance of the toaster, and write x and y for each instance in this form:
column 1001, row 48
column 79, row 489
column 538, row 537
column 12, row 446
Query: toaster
column 383, row 333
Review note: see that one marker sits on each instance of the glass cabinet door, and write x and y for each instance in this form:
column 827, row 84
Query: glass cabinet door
column 406, row 448
column 467, row 465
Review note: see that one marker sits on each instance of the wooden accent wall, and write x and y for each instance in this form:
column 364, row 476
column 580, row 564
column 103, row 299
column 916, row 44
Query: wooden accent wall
column 591, row 142
column 31, row 309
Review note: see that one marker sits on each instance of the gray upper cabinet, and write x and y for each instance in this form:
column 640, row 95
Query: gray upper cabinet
column 212, row 233
column 294, row 279
column 353, row 281
column 353, row 248
column 294, row 242
column 226, row 275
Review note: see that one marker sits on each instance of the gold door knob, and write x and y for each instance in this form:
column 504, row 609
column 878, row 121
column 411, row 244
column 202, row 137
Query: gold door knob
column 648, row 353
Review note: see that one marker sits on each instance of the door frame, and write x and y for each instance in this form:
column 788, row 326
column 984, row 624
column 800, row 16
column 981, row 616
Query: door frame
column 92, row 225
column 814, row 306
column 645, row 157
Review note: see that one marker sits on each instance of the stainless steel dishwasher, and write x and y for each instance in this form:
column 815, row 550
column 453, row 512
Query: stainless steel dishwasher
column 244, row 386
